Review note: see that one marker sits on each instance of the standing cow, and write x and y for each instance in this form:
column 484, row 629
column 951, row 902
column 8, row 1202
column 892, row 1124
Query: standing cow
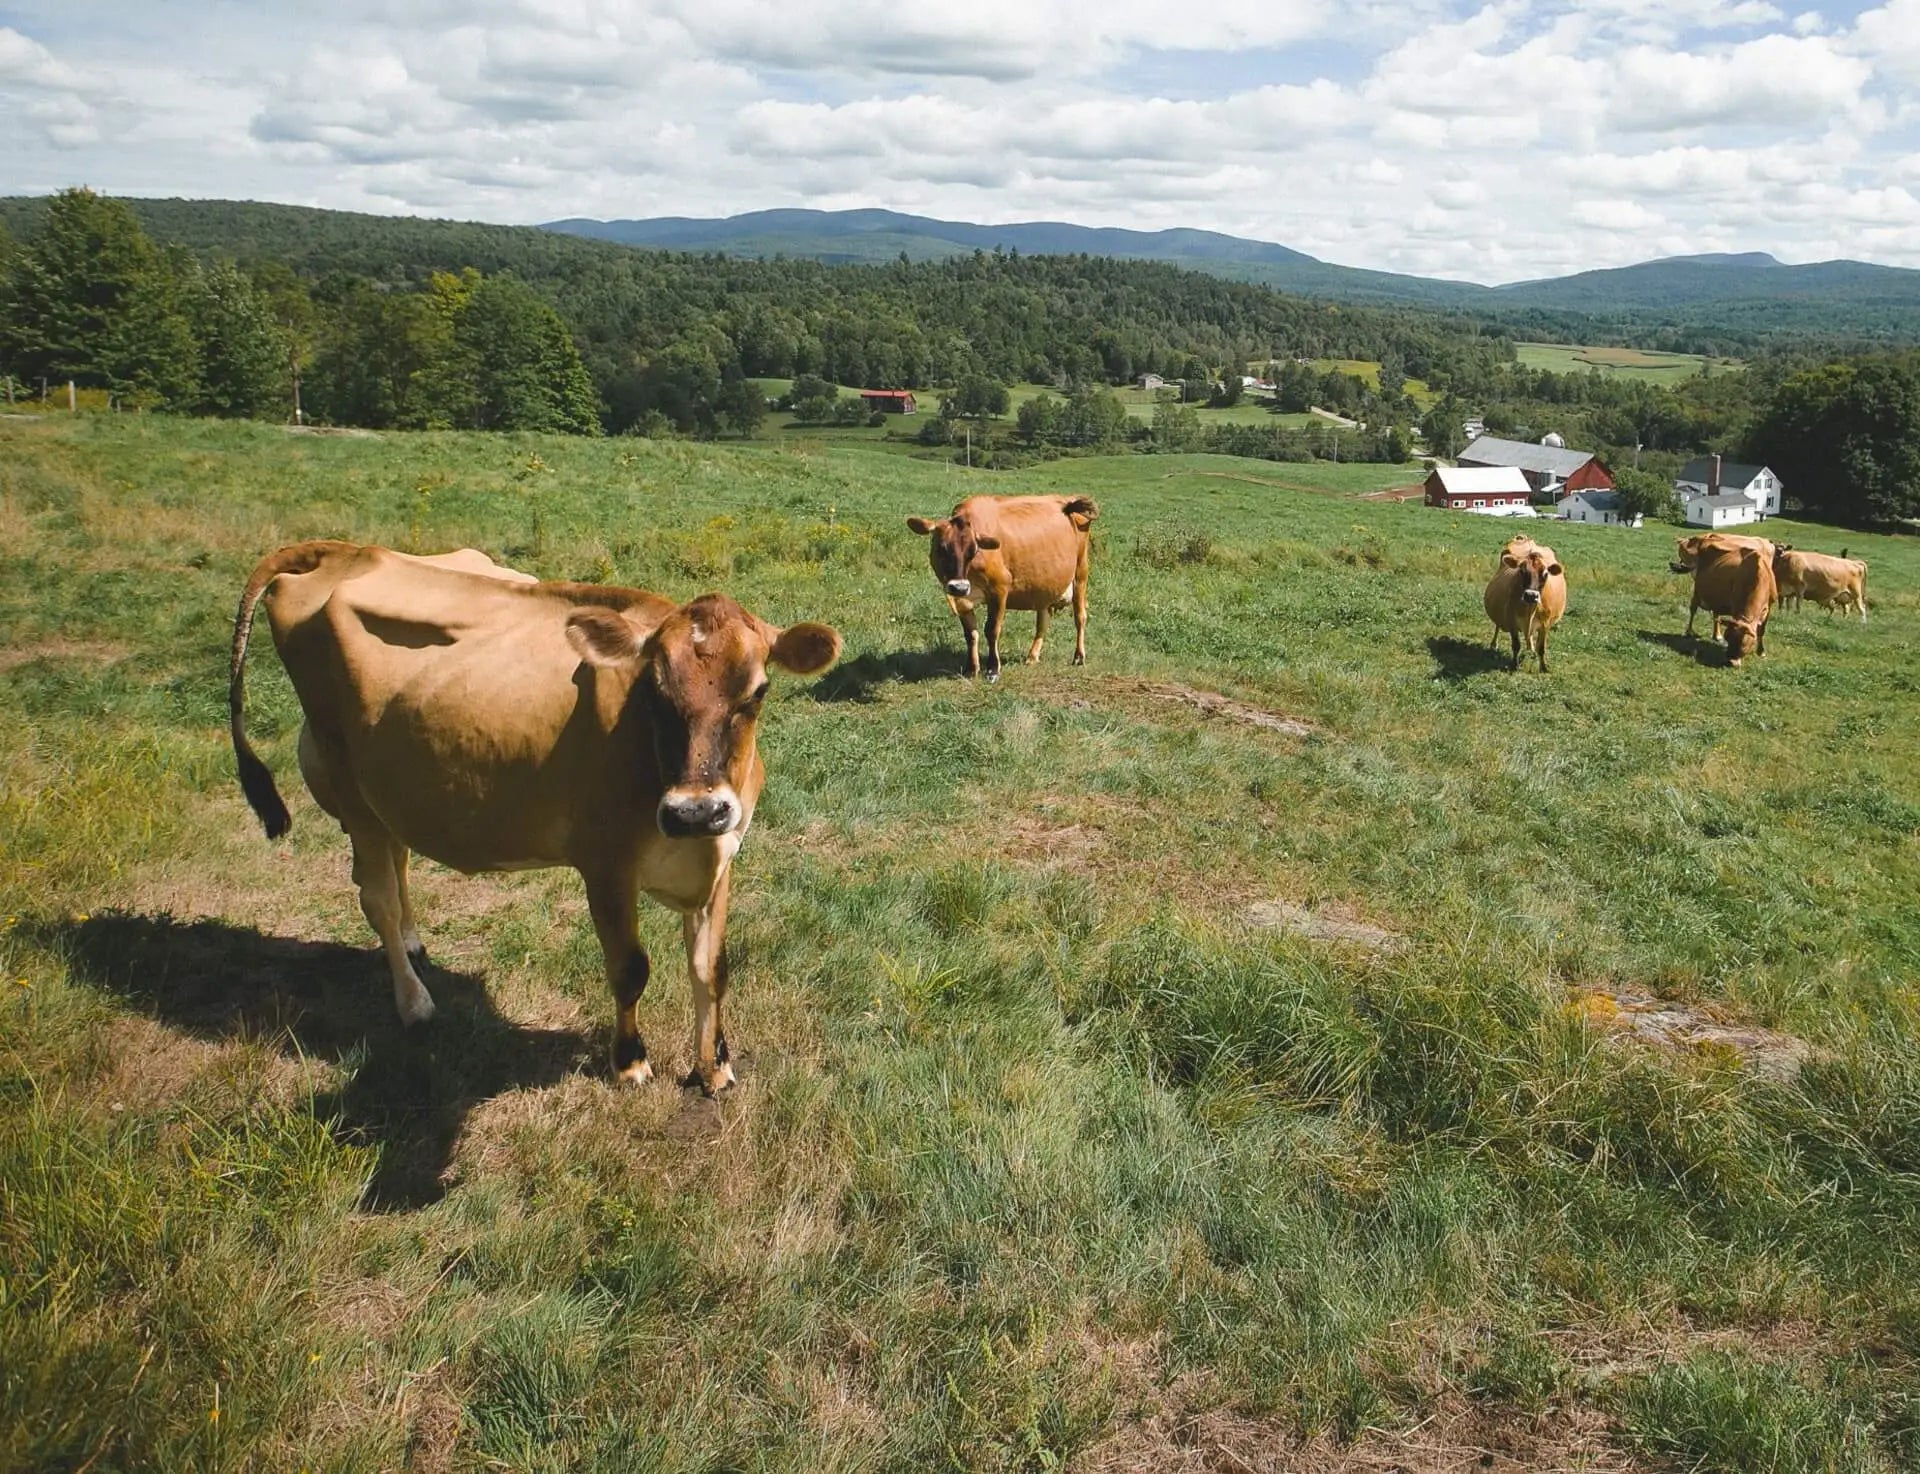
column 1733, row 581
column 1526, row 597
column 1016, row 552
column 493, row 722
column 1833, row 583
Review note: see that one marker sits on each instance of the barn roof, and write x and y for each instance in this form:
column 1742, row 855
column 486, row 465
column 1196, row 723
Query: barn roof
column 1481, row 480
column 1726, row 499
column 1600, row 501
column 1493, row 451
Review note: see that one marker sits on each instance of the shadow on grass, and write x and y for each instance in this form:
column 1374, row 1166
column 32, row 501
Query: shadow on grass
column 1706, row 652
column 411, row 1089
column 1455, row 659
column 857, row 679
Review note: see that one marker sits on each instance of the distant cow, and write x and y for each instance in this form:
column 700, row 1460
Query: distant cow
column 1733, row 581
column 1526, row 597
column 1015, row 552
column 493, row 722
column 1833, row 583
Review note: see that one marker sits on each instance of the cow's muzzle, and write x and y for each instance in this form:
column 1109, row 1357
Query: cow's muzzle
column 1679, row 568
column 689, row 814
column 1530, row 596
column 959, row 587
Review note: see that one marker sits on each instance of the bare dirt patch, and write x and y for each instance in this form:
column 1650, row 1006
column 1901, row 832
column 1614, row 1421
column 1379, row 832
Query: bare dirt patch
column 1327, row 924
column 1395, row 494
column 93, row 652
column 1212, row 703
column 1665, row 1024
column 1456, row 1437
column 348, row 431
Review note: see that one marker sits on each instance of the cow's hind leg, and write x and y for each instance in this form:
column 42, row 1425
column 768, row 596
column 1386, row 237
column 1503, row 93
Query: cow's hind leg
column 1080, row 615
column 1039, row 636
column 379, row 861
column 611, row 900
column 379, row 870
column 706, row 932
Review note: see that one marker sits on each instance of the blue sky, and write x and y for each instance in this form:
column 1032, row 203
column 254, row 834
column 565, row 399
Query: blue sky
column 1490, row 142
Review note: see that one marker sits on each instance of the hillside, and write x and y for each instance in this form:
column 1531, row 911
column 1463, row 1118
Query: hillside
column 1746, row 294
column 1290, row 1041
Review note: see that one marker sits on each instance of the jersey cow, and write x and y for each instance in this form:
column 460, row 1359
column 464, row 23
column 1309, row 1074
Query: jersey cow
column 1013, row 552
column 1832, row 583
column 1526, row 597
column 1733, row 581
column 493, row 722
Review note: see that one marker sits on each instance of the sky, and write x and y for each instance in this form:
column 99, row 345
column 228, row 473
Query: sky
column 1483, row 142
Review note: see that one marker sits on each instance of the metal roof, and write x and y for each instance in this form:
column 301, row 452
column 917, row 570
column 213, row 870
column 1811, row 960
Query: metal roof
column 1600, row 501
column 1489, row 450
column 1480, row 480
column 1732, row 473
column 1726, row 499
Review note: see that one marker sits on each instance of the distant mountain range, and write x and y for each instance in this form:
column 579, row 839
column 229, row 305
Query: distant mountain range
column 1745, row 291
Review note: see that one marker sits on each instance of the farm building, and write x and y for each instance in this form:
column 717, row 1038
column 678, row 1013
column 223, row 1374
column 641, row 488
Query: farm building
column 1726, row 509
column 1499, row 491
column 1594, row 506
column 1550, row 469
column 1697, row 479
column 888, row 401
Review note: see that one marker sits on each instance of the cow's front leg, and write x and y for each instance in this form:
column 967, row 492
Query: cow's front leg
column 611, row 900
column 706, row 932
column 996, row 615
column 968, row 628
column 1692, row 610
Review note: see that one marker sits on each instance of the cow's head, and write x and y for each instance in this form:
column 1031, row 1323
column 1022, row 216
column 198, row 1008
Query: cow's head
column 1686, row 554
column 1742, row 635
column 952, row 545
column 1532, row 567
column 701, row 676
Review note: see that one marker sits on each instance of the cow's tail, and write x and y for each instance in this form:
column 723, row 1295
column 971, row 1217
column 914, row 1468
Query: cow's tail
column 1081, row 506
column 255, row 779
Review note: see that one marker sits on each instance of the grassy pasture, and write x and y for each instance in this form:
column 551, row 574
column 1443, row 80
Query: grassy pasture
column 1635, row 363
column 1045, row 1153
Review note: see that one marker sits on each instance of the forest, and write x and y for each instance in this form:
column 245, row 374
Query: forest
column 264, row 311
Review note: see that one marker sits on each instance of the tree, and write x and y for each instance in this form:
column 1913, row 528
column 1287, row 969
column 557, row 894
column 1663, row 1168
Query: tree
column 742, row 405
column 1844, row 438
column 1175, row 427
column 89, row 298
column 1441, row 428
column 1643, row 494
column 244, row 356
column 528, row 374
column 1037, row 419
column 974, row 398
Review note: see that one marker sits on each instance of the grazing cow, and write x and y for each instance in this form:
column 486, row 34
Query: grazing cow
column 1833, row 583
column 1733, row 581
column 1019, row 552
column 1526, row 597
column 493, row 722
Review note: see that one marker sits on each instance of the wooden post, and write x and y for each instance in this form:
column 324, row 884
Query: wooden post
column 73, row 401
column 9, row 388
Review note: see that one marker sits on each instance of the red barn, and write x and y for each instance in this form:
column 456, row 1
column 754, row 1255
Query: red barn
column 889, row 401
column 1498, row 490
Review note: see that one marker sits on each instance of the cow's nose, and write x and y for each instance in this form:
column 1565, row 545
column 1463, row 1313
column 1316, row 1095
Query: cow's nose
column 1530, row 596
column 959, row 587
column 714, row 811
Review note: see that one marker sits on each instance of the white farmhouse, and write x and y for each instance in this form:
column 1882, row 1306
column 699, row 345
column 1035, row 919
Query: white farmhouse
column 1728, row 509
column 1594, row 506
column 1698, row 479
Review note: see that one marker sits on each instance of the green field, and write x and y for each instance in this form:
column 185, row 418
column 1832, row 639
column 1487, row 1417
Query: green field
column 1633, row 363
column 1215, row 1057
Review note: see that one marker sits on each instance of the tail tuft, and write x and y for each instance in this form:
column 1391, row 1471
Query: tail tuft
column 262, row 796
column 1081, row 506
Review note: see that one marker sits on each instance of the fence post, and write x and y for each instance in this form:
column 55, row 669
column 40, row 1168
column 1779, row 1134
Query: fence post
column 73, row 401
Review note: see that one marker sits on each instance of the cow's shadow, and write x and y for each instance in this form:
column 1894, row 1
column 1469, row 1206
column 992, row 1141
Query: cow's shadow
column 859, row 678
column 1455, row 659
column 1702, row 649
column 407, row 1091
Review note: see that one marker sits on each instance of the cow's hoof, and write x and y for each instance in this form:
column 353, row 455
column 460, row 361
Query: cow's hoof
column 713, row 1084
column 417, row 1012
column 1079, row 659
column 417, row 953
column 640, row 1072
column 992, row 676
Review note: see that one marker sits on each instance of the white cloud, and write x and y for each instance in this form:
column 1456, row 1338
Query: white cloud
column 1776, row 83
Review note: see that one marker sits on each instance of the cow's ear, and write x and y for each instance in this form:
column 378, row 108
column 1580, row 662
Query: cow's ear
column 920, row 526
column 1553, row 570
column 805, row 649
column 987, row 544
column 602, row 637
column 1507, row 560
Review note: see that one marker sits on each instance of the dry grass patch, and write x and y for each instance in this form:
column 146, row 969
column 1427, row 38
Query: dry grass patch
column 1333, row 924
column 1681, row 1027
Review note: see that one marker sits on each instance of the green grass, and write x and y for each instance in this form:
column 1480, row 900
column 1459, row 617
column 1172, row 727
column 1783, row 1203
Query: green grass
column 1634, row 363
column 1040, row 1146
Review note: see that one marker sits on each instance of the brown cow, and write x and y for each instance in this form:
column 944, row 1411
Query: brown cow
column 492, row 722
column 1526, row 597
column 1833, row 583
column 1733, row 581
column 1021, row 552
